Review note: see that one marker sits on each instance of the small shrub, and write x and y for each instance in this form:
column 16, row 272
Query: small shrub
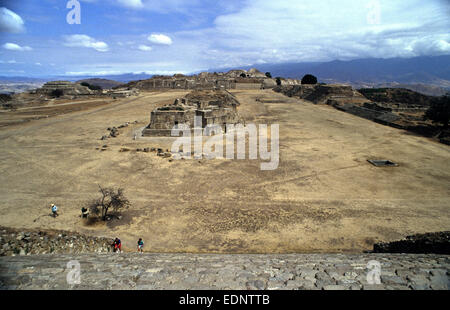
column 439, row 111
column 110, row 199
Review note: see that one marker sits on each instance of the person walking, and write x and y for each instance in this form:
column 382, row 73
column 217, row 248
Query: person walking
column 54, row 210
column 140, row 245
column 117, row 245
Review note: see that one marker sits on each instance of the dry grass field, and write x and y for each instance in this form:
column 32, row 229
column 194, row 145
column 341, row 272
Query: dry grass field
column 324, row 196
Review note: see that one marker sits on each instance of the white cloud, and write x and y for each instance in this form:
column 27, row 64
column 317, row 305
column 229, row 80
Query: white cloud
column 135, row 4
column 16, row 47
column 145, row 48
column 38, row 64
column 10, row 21
column 82, row 40
column 8, row 62
column 160, row 39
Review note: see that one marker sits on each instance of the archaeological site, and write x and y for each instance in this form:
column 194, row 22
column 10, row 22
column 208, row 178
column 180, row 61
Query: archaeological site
column 224, row 145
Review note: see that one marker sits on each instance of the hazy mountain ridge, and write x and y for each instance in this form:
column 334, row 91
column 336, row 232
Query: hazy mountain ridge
column 426, row 70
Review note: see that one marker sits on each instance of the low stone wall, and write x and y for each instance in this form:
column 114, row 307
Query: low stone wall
column 26, row 242
column 248, row 86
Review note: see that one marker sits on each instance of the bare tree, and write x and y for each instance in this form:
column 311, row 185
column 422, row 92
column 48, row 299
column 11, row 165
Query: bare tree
column 111, row 200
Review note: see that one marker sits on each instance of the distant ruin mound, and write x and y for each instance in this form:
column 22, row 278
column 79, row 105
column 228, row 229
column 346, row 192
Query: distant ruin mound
column 66, row 88
column 396, row 95
column 213, row 97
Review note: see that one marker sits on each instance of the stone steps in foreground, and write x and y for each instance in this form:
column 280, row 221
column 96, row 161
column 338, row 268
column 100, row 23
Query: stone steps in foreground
column 217, row 271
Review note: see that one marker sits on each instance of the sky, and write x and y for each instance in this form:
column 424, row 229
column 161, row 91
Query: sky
column 186, row 36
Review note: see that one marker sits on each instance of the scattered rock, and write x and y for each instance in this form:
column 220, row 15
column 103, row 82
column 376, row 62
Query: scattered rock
column 436, row 243
column 13, row 242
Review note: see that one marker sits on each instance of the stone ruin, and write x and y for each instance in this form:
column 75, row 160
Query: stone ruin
column 67, row 88
column 214, row 108
column 122, row 92
column 234, row 79
column 322, row 93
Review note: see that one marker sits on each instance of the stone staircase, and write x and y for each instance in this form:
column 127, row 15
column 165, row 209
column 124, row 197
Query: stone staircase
column 216, row 271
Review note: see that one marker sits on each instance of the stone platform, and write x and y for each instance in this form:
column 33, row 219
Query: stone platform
column 237, row 272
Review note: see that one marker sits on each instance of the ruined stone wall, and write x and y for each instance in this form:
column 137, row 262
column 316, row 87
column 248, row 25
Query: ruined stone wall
column 167, row 119
column 248, row 86
column 26, row 242
column 318, row 93
column 214, row 108
column 221, row 117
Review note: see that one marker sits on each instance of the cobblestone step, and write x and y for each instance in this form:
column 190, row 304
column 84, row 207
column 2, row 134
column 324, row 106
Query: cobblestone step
column 236, row 272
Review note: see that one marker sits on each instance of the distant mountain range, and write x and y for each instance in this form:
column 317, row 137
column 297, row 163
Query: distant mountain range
column 426, row 70
column 428, row 74
column 122, row 78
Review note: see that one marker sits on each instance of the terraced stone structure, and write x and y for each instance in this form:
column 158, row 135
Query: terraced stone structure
column 212, row 107
column 67, row 88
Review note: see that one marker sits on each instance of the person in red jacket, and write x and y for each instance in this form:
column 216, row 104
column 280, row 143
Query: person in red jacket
column 117, row 245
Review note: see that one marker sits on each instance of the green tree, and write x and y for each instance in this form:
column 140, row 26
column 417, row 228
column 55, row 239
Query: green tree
column 439, row 111
column 309, row 79
column 269, row 75
column 278, row 79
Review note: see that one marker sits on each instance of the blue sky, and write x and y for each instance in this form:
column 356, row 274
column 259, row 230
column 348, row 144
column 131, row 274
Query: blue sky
column 171, row 36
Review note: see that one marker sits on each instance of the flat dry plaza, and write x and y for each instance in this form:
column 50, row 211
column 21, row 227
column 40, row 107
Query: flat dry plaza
column 324, row 196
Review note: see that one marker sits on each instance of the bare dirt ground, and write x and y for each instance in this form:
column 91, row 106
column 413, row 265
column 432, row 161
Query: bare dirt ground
column 324, row 196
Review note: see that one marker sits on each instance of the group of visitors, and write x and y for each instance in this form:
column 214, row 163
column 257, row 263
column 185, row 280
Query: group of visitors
column 117, row 244
column 54, row 208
